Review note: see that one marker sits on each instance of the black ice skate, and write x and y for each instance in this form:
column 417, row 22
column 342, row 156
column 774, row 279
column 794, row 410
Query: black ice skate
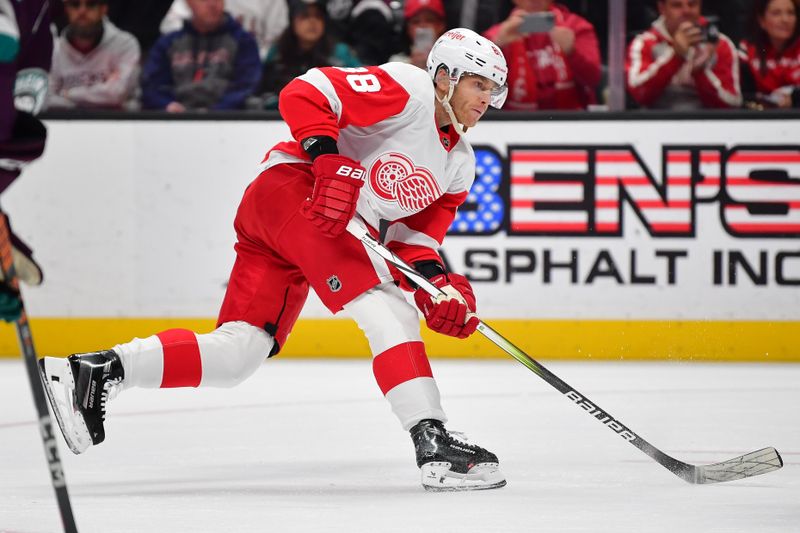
column 79, row 388
column 448, row 463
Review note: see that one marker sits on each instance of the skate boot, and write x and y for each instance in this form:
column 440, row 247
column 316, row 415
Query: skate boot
column 448, row 463
column 79, row 387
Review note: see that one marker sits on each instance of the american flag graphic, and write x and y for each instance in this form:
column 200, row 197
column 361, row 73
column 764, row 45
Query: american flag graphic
column 484, row 209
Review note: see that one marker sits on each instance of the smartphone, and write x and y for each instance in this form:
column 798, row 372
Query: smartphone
column 423, row 39
column 537, row 23
column 709, row 32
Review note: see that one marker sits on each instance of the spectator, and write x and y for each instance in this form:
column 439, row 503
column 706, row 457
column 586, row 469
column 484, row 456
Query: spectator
column 682, row 62
column 556, row 68
column 771, row 57
column 425, row 22
column 264, row 19
column 305, row 44
column 95, row 64
column 212, row 63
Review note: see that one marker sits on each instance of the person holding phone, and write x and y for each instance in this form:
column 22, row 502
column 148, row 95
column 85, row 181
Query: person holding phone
column 553, row 56
column 771, row 55
column 683, row 62
column 424, row 23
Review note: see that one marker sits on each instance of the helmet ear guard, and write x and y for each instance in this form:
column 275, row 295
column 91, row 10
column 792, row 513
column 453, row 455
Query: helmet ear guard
column 441, row 72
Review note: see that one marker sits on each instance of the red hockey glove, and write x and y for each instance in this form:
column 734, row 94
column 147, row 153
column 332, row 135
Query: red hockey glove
column 333, row 202
column 449, row 313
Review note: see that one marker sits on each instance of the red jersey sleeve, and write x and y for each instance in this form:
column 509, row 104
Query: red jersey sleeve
column 718, row 85
column 648, row 76
column 324, row 100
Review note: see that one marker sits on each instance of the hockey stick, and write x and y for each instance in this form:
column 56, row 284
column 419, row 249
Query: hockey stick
column 29, row 356
column 747, row 465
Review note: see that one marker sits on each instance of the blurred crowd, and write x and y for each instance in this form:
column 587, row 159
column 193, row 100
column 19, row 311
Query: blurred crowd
column 194, row 55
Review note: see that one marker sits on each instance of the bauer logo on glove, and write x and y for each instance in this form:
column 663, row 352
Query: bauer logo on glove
column 355, row 173
column 333, row 202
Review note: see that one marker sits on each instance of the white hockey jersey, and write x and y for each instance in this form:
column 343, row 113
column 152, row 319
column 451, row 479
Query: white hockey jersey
column 417, row 175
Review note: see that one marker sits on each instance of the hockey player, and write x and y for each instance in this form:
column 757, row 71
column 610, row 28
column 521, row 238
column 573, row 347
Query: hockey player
column 25, row 49
column 381, row 144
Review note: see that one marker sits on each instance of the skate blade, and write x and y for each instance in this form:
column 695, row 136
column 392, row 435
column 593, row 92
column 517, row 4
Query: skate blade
column 59, row 385
column 437, row 477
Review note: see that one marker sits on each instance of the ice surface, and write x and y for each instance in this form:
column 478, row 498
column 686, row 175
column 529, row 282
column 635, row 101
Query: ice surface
column 312, row 446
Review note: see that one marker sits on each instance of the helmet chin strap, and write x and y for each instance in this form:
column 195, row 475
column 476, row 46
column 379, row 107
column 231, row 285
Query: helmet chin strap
column 445, row 101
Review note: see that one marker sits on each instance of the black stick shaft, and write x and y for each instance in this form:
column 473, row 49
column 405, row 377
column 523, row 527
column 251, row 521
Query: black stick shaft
column 40, row 402
column 683, row 470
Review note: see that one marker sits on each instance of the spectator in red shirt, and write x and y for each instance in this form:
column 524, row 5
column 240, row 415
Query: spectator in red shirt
column 424, row 23
column 771, row 56
column 558, row 68
column 682, row 62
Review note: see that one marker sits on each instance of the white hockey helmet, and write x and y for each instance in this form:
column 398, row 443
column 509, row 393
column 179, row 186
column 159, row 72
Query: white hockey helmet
column 462, row 51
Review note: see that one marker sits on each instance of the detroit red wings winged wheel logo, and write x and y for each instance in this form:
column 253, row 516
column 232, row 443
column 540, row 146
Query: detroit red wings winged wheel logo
column 394, row 178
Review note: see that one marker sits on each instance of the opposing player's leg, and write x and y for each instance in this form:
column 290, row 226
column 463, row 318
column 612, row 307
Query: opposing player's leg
column 25, row 143
column 404, row 376
column 23, row 90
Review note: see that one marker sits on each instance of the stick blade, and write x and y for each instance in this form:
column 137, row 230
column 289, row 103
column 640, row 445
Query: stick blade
column 748, row 465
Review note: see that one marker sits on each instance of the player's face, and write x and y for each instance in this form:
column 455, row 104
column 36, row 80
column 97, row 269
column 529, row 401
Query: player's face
column 85, row 14
column 471, row 98
column 779, row 20
column 676, row 12
column 309, row 25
